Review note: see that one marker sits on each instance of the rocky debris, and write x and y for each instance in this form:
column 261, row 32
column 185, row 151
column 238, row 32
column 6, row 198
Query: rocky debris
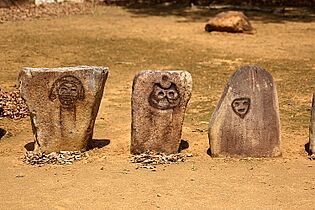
column 30, row 11
column 149, row 160
column 61, row 158
column 231, row 21
column 12, row 105
column 312, row 157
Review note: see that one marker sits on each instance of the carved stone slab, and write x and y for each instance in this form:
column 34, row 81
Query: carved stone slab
column 312, row 129
column 246, row 120
column 63, row 104
column 159, row 100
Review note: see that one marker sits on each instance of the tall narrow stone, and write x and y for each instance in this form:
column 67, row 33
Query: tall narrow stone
column 63, row 104
column 246, row 120
column 159, row 100
column 312, row 129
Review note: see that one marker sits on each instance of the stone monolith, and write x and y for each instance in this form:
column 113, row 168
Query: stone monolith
column 246, row 120
column 159, row 100
column 312, row 129
column 63, row 104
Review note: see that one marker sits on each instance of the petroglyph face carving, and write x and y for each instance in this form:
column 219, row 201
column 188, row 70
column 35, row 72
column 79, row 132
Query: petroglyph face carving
column 68, row 89
column 241, row 106
column 164, row 95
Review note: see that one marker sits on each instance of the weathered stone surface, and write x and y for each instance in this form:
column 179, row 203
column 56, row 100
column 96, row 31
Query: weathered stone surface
column 246, row 120
column 312, row 129
column 159, row 101
column 231, row 21
column 63, row 104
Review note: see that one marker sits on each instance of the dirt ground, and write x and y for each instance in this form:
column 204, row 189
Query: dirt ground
column 129, row 40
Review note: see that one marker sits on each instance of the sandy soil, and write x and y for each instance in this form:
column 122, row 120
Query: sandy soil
column 127, row 41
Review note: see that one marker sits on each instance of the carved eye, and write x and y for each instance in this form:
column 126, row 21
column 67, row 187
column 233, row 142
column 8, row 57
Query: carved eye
column 63, row 90
column 160, row 94
column 74, row 91
column 172, row 94
column 236, row 104
column 245, row 103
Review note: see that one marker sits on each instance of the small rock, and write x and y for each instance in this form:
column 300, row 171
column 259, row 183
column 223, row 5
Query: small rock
column 231, row 21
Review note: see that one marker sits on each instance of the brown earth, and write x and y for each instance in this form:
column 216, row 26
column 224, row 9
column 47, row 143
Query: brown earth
column 127, row 41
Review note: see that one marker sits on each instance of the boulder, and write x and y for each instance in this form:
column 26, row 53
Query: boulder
column 159, row 100
column 231, row 21
column 63, row 104
column 246, row 120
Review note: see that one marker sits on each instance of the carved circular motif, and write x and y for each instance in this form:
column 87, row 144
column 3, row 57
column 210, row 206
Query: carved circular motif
column 68, row 89
column 164, row 95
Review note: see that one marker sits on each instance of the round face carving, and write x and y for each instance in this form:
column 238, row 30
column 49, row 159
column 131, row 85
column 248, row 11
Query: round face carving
column 241, row 106
column 68, row 93
column 68, row 89
column 164, row 95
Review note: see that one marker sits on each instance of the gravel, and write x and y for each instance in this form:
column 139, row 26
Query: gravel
column 31, row 11
column 60, row 158
column 12, row 105
column 149, row 160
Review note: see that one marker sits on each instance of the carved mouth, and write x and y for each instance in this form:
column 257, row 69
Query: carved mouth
column 241, row 110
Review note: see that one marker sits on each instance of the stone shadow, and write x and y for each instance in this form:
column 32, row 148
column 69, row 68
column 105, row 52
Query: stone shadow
column 97, row 143
column 94, row 143
column 2, row 132
column 209, row 152
column 30, row 146
column 307, row 148
column 266, row 14
column 183, row 145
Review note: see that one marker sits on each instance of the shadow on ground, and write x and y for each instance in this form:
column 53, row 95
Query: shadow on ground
column 98, row 143
column 204, row 13
column 93, row 144
column 183, row 145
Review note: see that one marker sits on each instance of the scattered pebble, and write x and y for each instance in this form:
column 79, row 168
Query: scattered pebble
column 60, row 158
column 149, row 160
column 12, row 105
column 31, row 11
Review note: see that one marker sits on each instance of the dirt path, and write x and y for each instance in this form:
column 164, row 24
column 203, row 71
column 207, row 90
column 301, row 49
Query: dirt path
column 130, row 41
